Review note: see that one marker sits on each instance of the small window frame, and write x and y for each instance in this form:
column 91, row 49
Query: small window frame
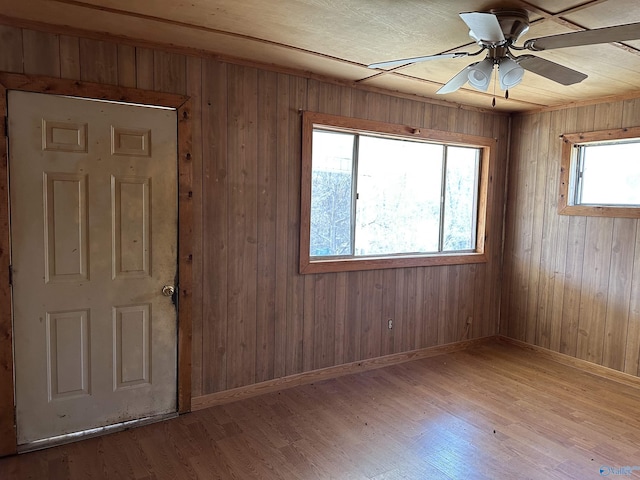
column 311, row 120
column 568, row 183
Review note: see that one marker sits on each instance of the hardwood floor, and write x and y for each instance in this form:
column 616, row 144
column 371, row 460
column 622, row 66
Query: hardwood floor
column 493, row 411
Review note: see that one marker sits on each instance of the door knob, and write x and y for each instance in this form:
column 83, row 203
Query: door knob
column 168, row 290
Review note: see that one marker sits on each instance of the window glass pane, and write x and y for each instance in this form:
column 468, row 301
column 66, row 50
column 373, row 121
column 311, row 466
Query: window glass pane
column 398, row 206
column 460, row 199
column 331, row 187
column 611, row 174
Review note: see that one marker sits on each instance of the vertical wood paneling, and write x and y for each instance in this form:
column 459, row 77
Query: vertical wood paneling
column 41, row 53
column 255, row 317
column 290, row 147
column 540, row 275
column 281, row 238
column 489, row 323
column 524, row 224
column 266, row 183
column 407, row 317
column 98, row 61
column 399, row 293
column 451, row 295
column 538, row 234
column 631, row 116
column 597, row 261
column 510, row 263
column 632, row 340
column 431, row 292
column 574, row 253
column 594, row 291
column 340, row 317
column 169, row 72
column 215, row 250
column 443, row 320
column 570, row 317
column 466, row 296
column 620, row 273
column 144, row 68
column 325, row 321
column 554, row 235
column 308, row 320
column 11, row 56
column 70, row 57
column 242, row 220
column 378, row 109
column 194, row 90
column 388, row 311
column 315, row 286
column 353, row 322
column 127, row 66
column 584, row 269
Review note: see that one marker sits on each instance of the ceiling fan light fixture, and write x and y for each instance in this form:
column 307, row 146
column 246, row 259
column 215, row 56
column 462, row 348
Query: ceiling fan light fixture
column 496, row 31
column 480, row 74
column 510, row 73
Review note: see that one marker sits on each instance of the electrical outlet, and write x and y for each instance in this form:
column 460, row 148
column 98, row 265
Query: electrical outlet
column 390, row 323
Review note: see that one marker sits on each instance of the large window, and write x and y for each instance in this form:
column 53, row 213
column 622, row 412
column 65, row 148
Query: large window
column 600, row 174
column 377, row 195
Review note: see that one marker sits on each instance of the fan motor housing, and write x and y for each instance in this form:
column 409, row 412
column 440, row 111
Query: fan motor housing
column 514, row 23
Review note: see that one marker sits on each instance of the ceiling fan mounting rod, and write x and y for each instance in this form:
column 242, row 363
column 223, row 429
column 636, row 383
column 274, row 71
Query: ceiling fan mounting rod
column 497, row 53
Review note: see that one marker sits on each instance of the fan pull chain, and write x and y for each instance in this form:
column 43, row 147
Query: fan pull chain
column 495, row 80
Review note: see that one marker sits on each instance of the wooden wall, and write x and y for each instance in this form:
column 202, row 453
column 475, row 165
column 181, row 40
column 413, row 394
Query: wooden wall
column 571, row 284
column 255, row 318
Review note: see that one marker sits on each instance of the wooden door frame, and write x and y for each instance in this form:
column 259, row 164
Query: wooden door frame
column 57, row 86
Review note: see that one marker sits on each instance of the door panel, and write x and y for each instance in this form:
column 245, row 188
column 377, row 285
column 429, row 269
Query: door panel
column 94, row 239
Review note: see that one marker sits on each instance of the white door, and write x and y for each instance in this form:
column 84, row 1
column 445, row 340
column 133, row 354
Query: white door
column 94, row 240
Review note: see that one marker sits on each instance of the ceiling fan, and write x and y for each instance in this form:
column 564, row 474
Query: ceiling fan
column 496, row 31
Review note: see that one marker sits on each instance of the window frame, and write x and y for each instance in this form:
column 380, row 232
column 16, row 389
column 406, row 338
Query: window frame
column 312, row 120
column 571, row 141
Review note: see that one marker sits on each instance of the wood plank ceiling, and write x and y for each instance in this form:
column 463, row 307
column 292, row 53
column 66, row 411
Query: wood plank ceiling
column 337, row 39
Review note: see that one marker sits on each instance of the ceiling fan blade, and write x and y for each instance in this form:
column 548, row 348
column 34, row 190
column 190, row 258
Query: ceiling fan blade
column 485, row 26
column 456, row 82
column 553, row 71
column 393, row 63
column 618, row 33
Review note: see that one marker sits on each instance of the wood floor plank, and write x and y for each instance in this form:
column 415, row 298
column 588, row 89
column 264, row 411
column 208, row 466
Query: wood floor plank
column 496, row 410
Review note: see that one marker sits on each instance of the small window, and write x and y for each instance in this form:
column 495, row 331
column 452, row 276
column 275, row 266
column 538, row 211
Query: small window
column 377, row 195
column 601, row 174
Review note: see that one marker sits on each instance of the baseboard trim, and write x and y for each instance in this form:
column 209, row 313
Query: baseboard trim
column 240, row 393
column 580, row 364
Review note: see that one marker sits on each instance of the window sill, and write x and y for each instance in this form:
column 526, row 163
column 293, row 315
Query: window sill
column 599, row 211
column 376, row 263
